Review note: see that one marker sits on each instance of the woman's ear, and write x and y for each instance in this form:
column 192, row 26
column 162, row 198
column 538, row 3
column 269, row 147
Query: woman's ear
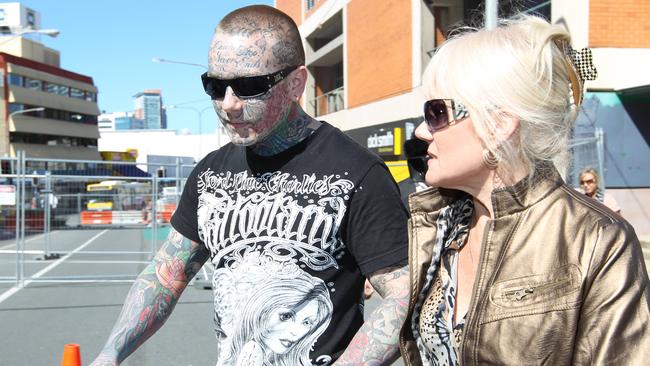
column 507, row 125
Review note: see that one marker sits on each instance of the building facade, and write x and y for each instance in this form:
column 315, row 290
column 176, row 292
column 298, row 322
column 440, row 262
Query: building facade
column 118, row 121
column 149, row 109
column 46, row 111
column 365, row 59
column 60, row 110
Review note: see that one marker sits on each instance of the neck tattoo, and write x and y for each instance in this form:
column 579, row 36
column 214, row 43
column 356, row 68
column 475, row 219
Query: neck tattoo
column 293, row 128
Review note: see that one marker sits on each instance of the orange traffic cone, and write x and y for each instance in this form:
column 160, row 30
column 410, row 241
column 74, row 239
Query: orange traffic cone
column 71, row 355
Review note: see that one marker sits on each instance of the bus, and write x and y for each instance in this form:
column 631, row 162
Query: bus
column 116, row 195
column 116, row 202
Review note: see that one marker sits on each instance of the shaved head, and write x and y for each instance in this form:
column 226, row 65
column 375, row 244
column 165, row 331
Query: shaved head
column 255, row 40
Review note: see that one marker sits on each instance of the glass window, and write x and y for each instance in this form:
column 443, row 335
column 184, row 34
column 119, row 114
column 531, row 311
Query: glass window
column 63, row 90
column 50, row 87
column 76, row 93
column 310, row 4
column 14, row 107
column 33, row 84
column 91, row 97
column 15, row 79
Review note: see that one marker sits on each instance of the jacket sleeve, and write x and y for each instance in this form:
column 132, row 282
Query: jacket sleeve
column 615, row 313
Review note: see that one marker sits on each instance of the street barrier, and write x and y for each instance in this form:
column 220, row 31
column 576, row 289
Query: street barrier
column 42, row 197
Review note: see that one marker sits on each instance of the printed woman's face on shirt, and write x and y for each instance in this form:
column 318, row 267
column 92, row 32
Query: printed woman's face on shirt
column 287, row 326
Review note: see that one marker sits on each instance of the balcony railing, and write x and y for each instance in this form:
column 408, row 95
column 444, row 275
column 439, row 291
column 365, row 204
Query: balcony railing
column 329, row 102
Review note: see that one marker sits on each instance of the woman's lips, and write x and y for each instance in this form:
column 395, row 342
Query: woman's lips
column 287, row 343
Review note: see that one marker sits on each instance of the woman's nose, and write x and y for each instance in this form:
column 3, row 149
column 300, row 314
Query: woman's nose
column 422, row 132
column 231, row 103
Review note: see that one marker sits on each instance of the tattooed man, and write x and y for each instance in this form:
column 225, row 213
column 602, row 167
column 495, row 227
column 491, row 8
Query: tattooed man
column 292, row 213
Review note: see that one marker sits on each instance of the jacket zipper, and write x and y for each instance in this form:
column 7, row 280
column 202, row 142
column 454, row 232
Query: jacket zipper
column 520, row 293
column 487, row 234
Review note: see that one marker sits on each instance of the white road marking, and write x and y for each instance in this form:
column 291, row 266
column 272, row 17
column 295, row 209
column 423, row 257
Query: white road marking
column 7, row 294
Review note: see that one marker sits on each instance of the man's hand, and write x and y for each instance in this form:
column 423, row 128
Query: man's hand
column 377, row 341
column 153, row 297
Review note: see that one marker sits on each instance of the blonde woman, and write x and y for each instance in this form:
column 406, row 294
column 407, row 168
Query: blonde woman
column 589, row 182
column 509, row 265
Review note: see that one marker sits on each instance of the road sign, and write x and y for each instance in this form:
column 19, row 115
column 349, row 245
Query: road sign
column 7, row 195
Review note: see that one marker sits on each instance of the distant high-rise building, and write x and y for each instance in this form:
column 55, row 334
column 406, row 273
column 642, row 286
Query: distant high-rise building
column 149, row 109
column 118, row 121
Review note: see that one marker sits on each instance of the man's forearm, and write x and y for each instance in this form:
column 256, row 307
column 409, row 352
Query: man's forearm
column 152, row 297
column 377, row 341
column 146, row 308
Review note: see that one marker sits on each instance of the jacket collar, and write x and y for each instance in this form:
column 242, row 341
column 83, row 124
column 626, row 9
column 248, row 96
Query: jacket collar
column 505, row 200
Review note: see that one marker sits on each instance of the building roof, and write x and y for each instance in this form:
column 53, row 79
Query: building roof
column 7, row 58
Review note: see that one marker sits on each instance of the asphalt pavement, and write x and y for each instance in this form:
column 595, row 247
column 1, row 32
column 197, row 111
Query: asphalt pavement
column 49, row 310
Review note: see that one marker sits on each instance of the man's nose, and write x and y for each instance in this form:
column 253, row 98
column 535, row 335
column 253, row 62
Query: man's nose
column 231, row 103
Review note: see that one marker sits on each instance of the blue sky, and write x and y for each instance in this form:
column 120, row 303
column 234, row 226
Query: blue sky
column 114, row 41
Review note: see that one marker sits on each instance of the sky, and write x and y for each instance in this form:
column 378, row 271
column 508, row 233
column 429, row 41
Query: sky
column 114, row 43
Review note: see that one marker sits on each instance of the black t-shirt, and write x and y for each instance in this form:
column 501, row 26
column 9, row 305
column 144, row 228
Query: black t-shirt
column 291, row 237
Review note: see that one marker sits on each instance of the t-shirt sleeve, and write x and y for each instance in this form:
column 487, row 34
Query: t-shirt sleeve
column 184, row 219
column 377, row 223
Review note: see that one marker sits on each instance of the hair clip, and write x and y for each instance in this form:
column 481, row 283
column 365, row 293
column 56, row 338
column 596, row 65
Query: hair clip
column 581, row 68
column 584, row 63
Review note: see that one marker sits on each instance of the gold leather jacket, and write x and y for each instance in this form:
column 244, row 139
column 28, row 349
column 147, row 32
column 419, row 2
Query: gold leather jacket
column 561, row 280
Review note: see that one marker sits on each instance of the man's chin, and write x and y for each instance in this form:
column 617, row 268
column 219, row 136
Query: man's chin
column 242, row 138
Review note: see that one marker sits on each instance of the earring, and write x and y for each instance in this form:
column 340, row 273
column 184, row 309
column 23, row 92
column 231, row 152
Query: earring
column 490, row 159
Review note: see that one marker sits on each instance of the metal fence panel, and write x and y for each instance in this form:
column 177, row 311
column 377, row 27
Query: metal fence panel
column 60, row 202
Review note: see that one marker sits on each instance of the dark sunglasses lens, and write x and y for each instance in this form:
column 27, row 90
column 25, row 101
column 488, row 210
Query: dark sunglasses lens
column 249, row 87
column 435, row 113
column 215, row 88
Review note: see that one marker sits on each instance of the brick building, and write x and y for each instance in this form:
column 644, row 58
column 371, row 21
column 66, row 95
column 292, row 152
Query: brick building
column 365, row 59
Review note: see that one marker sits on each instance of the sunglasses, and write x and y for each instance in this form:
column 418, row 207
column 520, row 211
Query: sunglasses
column 436, row 113
column 588, row 181
column 246, row 87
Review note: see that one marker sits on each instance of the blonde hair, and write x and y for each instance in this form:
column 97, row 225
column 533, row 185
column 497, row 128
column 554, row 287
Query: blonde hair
column 592, row 171
column 513, row 70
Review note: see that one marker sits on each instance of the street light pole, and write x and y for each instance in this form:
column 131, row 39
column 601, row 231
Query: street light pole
column 162, row 60
column 22, row 111
column 491, row 13
column 48, row 32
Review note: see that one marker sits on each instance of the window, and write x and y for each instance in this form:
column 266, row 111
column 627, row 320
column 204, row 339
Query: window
column 77, row 93
column 310, row 4
column 91, row 97
column 14, row 107
column 50, row 87
column 63, row 90
column 15, row 79
column 33, row 84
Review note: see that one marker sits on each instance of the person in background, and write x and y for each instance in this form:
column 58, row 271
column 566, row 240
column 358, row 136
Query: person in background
column 289, row 197
column 509, row 265
column 589, row 182
column 416, row 157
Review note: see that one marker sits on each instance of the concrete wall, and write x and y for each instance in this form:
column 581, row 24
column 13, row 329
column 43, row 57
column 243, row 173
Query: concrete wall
column 161, row 142
column 635, row 208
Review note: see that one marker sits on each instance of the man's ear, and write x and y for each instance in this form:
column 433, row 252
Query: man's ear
column 297, row 82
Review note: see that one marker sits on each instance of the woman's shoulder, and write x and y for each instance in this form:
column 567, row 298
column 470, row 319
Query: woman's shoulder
column 593, row 215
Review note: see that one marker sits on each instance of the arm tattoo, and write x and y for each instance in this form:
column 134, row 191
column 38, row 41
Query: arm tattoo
column 153, row 296
column 377, row 341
